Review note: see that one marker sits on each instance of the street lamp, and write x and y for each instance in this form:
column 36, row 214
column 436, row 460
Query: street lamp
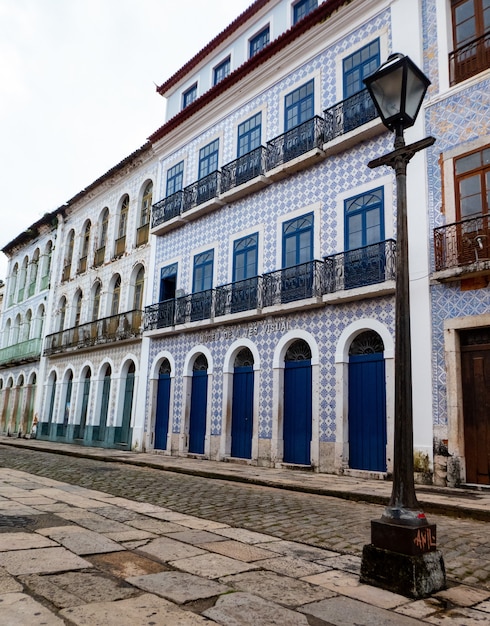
column 402, row 556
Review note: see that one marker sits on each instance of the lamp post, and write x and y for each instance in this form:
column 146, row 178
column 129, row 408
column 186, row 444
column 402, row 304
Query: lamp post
column 402, row 556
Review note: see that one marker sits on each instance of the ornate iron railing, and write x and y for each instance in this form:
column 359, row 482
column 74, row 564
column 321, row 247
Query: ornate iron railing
column 470, row 59
column 23, row 351
column 349, row 114
column 109, row 329
column 243, row 169
column 361, row 267
column 295, row 142
column 202, row 190
column 462, row 243
column 242, row 295
column 166, row 209
column 293, row 283
column 160, row 315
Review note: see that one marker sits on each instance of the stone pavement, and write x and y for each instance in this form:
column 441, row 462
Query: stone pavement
column 72, row 555
column 460, row 502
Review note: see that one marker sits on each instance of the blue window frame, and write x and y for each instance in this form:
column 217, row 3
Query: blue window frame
column 202, row 278
column 259, row 41
column 189, row 95
column 299, row 105
column 175, row 178
column 358, row 66
column 221, row 71
column 364, row 219
column 245, row 256
column 168, row 282
column 208, row 158
column 302, row 8
column 297, row 241
column 249, row 134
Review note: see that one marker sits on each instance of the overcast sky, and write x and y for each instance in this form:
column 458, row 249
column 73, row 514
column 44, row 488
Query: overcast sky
column 77, row 90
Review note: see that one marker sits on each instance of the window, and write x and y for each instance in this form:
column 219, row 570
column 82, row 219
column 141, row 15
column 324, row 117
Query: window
column 208, row 158
column 471, row 38
column 104, row 227
column 96, row 302
column 472, row 178
column 62, row 317
column 123, row 218
column 69, row 255
column 138, row 290
column 249, row 134
column 168, row 282
column 302, row 8
column 297, row 237
column 221, row 71
column 358, row 66
column 175, row 178
column 146, row 204
column 245, row 257
column 82, row 266
column 259, row 41
column 78, row 308
column 364, row 219
column 116, row 296
column 203, row 271
column 189, row 96
column 299, row 105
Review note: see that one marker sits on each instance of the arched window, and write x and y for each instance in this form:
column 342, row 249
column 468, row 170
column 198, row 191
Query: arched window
column 33, row 273
column 103, row 229
column 6, row 333
column 62, row 313
column 16, row 330
column 122, row 227
column 13, row 284
column 77, row 305
column 46, row 265
column 82, row 265
column 70, row 245
column 26, row 329
column 96, row 289
column 144, row 222
column 116, row 296
column 39, row 323
column 22, row 280
column 138, row 290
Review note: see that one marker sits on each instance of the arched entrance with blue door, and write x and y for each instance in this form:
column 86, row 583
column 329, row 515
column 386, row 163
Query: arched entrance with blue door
column 198, row 408
column 129, row 383
column 242, row 405
column 104, row 404
column 367, row 403
column 163, row 405
column 80, row 430
column 297, row 417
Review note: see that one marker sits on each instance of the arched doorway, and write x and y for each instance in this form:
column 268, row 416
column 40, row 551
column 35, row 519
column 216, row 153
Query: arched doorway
column 297, row 421
column 242, row 405
column 367, row 403
column 84, row 408
column 199, row 400
column 163, row 405
column 104, row 405
column 18, row 404
column 46, row 426
column 128, row 404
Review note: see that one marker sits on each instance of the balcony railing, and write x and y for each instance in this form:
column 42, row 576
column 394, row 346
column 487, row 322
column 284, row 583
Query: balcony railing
column 361, row 267
column 166, row 209
column 470, row 59
column 142, row 234
column 24, row 351
column 295, row 142
column 109, row 329
column 202, row 190
column 349, row 114
column 242, row 295
column 462, row 243
column 99, row 256
column 243, row 169
column 293, row 283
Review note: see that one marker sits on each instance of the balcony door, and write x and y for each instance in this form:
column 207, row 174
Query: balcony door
column 244, row 292
column 356, row 67
column 202, row 282
column 364, row 226
column 471, row 38
column 297, row 257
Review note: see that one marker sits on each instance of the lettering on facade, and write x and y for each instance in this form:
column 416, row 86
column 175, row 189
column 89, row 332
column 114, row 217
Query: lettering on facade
column 251, row 330
column 424, row 539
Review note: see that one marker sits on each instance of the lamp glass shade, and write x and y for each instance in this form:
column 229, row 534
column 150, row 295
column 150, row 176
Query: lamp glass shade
column 398, row 88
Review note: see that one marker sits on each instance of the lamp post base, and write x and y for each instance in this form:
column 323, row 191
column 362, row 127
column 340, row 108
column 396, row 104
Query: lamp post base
column 403, row 559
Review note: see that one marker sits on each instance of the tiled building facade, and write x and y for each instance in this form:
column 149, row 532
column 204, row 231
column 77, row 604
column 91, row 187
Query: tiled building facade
column 268, row 327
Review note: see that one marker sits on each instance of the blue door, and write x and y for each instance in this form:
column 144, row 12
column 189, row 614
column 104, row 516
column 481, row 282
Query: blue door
column 128, row 405
column 297, row 412
column 367, row 412
column 197, row 418
column 162, row 411
column 242, row 412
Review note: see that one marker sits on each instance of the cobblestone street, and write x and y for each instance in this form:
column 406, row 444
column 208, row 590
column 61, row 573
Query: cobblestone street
column 322, row 521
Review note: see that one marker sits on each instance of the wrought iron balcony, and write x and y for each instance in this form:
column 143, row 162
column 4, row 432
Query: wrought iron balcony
column 462, row 243
column 293, row 283
column 24, row 351
column 361, row 267
column 470, row 59
column 242, row 295
column 243, row 169
column 349, row 114
column 202, row 190
column 160, row 315
column 166, row 209
column 109, row 329
column 295, row 142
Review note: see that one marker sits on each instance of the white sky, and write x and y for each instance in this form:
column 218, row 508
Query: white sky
column 77, row 92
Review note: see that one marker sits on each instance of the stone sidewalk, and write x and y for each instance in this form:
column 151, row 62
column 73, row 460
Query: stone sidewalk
column 460, row 502
column 71, row 555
